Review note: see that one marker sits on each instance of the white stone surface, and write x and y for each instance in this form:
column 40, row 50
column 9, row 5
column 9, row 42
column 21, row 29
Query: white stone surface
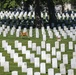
column 51, row 71
column 14, row 72
column 43, row 68
column 54, row 63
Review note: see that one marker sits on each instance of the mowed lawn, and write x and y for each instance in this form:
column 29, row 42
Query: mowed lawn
column 13, row 66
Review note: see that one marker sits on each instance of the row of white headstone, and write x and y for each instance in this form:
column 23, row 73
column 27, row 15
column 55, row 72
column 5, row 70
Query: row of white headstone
column 20, row 62
column 73, row 60
column 20, row 15
column 47, row 57
column 4, row 30
column 43, row 54
column 71, row 33
column 9, row 14
column 58, row 33
column 4, row 63
column 36, row 61
column 16, row 58
column 16, row 15
column 50, row 33
column 63, row 16
column 24, row 64
column 50, row 71
column 66, row 32
column 48, row 47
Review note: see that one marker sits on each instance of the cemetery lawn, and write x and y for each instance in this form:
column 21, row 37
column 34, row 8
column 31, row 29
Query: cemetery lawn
column 13, row 66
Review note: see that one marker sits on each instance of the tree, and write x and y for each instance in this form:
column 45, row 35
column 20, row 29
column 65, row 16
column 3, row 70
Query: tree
column 51, row 9
column 7, row 4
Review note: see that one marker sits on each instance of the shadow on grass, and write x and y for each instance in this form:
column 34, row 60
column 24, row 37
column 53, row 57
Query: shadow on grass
column 26, row 38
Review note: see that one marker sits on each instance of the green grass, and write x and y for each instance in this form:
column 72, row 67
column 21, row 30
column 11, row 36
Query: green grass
column 13, row 66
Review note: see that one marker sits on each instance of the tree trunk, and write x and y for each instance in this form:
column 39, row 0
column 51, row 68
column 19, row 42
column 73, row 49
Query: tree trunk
column 51, row 11
column 26, row 5
column 37, row 13
column 37, row 7
column 61, row 2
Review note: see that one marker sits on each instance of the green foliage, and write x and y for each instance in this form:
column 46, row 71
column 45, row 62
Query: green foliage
column 12, row 4
column 61, row 1
column 6, row 4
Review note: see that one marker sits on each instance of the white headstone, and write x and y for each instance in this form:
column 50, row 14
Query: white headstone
column 29, row 44
column 27, row 54
column 17, row 33
column 24, row 67
column 14, row 72
column 19, row 46
column 51, row 34
column 74, row 54
column 42, row 44
column 4, row 33
column 36, row 62
column 38, row 50
column 54, row 63
column 70, row 72
column 0, row 30
column 6, row 67
column 30, row 32
column 51, row 71
column 34, row 46
column 32, row 56
column 58, row 55
column 16, row 57
column 3, row 43
column 12, row 53
column 23, row 49
column 2, row 60
column 65, row 36
column 62, row 47
column 5, row 46
column 44, row 37
column 73, row 63
column 57, row 44
column 19, row 64
column 53, row 51
column 58, row 74
column 48, row 58
column 75, row 47
column 11, row 32
column 0, row 55
column 73, row 38
column 36, row 73
column 16, row 43
column 30, row 71
column 62, row 69
column 9, row 49
column 37, row 33
column 65, row 58
column 48, row 47
column 71, row 45
column 42, row 68
column 43, row 55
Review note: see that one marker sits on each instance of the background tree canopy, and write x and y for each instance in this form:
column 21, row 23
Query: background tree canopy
column 7, row 4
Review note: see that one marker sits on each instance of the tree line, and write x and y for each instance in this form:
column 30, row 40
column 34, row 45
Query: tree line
column 7, row 4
